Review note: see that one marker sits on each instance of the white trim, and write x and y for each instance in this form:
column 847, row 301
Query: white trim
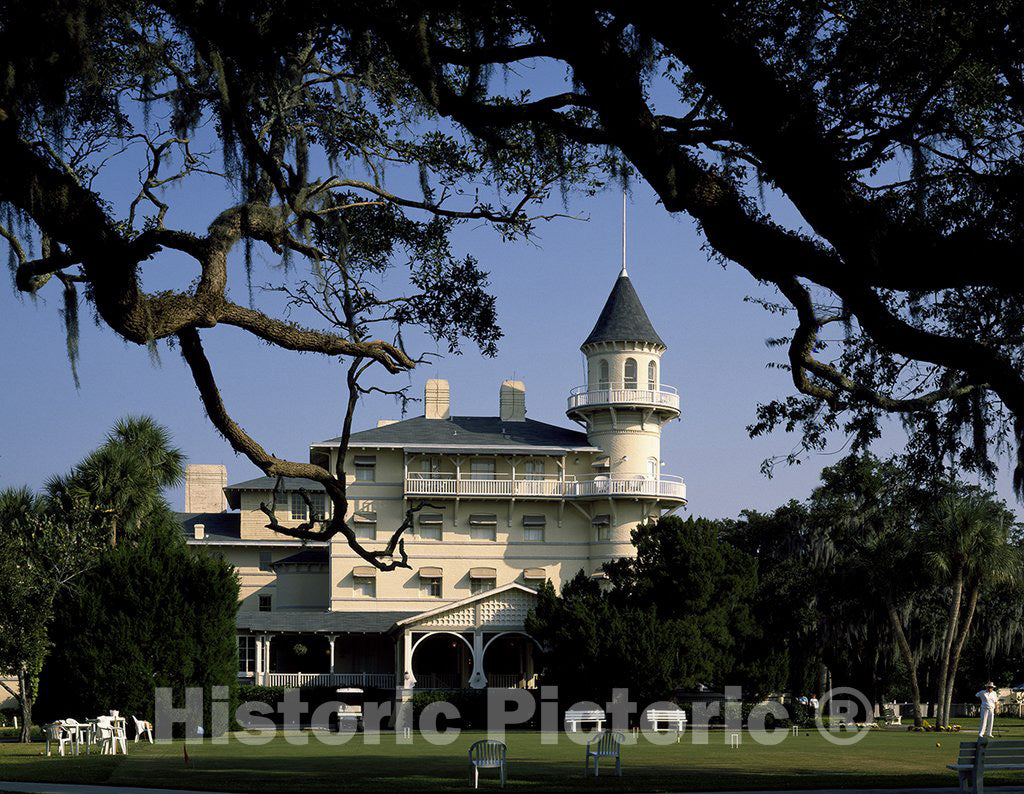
column 465, row 601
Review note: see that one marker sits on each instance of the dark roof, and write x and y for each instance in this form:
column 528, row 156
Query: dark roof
column 217, row 525
column 267, row 484
column 316, row 621
column 623, row 318
column 305, row 557
column 468, row 431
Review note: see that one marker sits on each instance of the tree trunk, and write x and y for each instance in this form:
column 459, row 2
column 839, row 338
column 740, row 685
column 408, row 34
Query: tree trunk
column 947, row 644
column 908, row 658
column 958, row 645
column 25, row 700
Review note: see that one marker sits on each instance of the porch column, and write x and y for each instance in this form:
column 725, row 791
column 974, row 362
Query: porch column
column 408, row 679
column 478, row 680
column 330, row 640
column 266, row 661
column 258, row 670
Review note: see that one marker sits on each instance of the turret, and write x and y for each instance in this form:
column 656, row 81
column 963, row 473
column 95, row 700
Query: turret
column 623, row 406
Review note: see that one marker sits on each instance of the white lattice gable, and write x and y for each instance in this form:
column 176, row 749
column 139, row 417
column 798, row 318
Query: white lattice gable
column 503, row 607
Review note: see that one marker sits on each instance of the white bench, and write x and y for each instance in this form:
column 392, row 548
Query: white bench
column 573, row 718
column 976, row 757
column 890, row 717
column 674, row 717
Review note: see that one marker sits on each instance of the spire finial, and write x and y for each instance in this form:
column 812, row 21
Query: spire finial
column 623, row 271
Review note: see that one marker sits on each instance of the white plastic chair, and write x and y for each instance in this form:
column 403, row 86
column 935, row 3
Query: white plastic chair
column 142, row 727
column 487, row 754
column 56, row 732
column 75, row 732
column 106, row 736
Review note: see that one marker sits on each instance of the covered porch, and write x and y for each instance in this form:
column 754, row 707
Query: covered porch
column 478, row 642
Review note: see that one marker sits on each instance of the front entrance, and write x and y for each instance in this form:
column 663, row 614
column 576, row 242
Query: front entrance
column 442, row 661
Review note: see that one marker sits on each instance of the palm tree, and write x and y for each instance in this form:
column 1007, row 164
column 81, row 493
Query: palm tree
column 967, row 542
column 122, row 481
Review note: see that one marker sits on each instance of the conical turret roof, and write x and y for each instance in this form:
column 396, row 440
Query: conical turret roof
column 623, row 318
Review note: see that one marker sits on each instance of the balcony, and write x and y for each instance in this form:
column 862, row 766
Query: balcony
column 664, row 398
column 364, row 680
column 532, row 487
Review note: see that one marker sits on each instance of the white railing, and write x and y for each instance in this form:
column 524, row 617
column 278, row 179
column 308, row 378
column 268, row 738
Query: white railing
column 431, row 485
column 365, row 680
column 505, row 681
column 667, row 486
column 438, row 681
column 662, row 396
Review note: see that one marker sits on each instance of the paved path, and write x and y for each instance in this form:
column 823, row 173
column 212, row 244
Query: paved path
column 76, row 788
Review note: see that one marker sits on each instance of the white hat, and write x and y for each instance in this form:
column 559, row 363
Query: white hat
column 990, row 684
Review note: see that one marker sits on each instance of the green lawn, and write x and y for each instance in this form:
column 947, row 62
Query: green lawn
column 884, row 758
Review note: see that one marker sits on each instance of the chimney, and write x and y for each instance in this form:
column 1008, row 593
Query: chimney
column 204, row 488
column 436, row 399
column 513, row 401
column 199, row 530
column 386, row 422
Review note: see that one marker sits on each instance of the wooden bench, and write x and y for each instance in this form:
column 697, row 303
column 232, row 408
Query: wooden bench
column 890, row 717
column 574, row 718
column 604, row 745
column 978, row 757
column 674, row 717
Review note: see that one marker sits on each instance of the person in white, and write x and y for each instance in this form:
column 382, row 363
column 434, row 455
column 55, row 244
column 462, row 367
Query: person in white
column 989, row 701
column 813, row 703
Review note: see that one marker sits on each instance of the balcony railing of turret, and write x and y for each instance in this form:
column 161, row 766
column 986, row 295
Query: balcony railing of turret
column 622, row 393
column 665, row 486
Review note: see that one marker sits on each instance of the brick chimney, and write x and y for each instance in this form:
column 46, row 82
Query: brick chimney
column 204, row 488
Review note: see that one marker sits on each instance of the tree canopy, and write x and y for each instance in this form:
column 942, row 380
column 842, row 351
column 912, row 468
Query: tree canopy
column 861, row 157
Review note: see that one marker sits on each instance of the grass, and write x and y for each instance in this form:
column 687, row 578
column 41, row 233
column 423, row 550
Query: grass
column 883, row 759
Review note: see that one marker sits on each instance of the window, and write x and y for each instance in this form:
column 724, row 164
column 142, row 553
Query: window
column 533, row 470
column 265, row 604
column 430, row 468
column 533, row 528
column 481, row 469
column 602, row 376
column 364, row 581
column 246, row 654
column 364, row 523
column 482, row 579
column 603, row 525
column 264, row 560
column 652, row 375
column 652, row 468
column 319, row 501
column 430, row 526
column 630, row 373
column 483, row 526
column 482, row 585
column 430, row 582
column 366, row 468
column 298, row 507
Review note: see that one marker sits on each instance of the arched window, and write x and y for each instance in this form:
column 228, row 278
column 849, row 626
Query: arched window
column 602, row 374
column 652, row 375
column 630, row 373
column 652, row 468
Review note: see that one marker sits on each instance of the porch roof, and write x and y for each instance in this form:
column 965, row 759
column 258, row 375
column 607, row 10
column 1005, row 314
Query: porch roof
column 309, row 621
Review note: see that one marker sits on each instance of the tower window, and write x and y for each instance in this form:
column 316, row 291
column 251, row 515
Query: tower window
column 602, row 374
column 652, row 376
column 630, row 373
